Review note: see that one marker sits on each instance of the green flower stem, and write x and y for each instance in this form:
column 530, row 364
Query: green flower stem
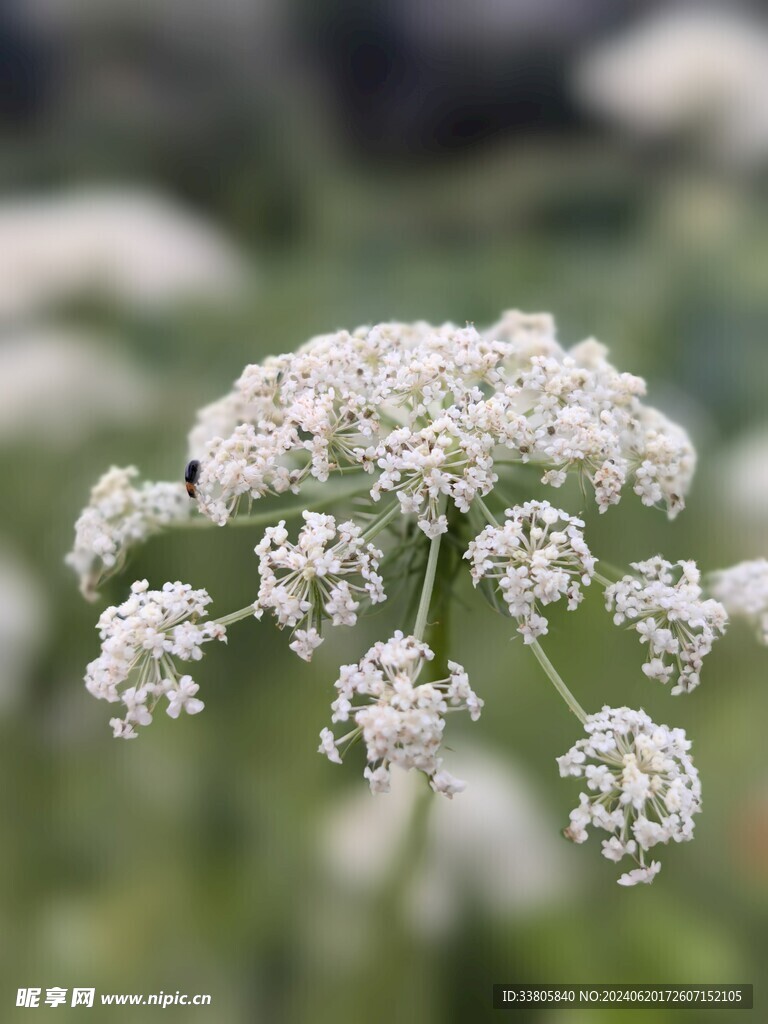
column 557, row 682
column 228, row 620
column 613, row 570
column 375, row 528
column 489, row 516
column 272, row 516
column 426, row 590
column 603, row 580
column 382, row 522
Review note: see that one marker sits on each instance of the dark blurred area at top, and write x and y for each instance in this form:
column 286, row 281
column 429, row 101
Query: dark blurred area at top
column 233, row 104
column 418, row 80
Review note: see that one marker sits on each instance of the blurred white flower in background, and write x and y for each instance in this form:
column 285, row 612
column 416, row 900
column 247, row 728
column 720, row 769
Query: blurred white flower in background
column 493, row 848
column 741, row 474
column 701, row 74
column 743, row 589
column 135, row 247
column 23, row 624
column 57, row 386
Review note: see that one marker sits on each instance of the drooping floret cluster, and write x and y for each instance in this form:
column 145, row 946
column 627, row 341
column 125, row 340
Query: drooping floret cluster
column 642, row 787
column 120, row 515
column 325, row 574
column 141, row 641
column 743, row 589
column 536, row 557
column 665, row 603
column 426, row 409
column 400, row 720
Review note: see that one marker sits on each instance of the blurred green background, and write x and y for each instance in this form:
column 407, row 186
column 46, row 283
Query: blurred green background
column 190, row 187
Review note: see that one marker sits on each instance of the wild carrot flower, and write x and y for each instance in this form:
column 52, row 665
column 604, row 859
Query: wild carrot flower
column 141, row 641
column 325, row 574
column 426, row 409
column 537, row 556
column 400, row 720
column 427, row 427
column 642, row 787
column 665, row 603
column 119, row 516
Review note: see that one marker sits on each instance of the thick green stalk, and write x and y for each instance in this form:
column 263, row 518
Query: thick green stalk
column 426, row 590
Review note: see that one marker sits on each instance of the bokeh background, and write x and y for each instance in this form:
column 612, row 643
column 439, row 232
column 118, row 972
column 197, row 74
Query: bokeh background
column 190, row 185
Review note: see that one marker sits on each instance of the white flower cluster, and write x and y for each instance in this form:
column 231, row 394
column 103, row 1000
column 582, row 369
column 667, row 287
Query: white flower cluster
column 401, row 722
column 315, row 578
column 536, row 557
column 743, row 589
column 427, row 420
column 666, row 604
column 642, row 786
column 140, row 640
column 119, row 515
column 428, row 410
column 444, row 458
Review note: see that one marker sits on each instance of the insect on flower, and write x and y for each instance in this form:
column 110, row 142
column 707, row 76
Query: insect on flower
column 191, row 476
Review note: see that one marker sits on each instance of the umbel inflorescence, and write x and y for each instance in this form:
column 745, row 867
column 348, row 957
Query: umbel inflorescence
column 415, row 432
